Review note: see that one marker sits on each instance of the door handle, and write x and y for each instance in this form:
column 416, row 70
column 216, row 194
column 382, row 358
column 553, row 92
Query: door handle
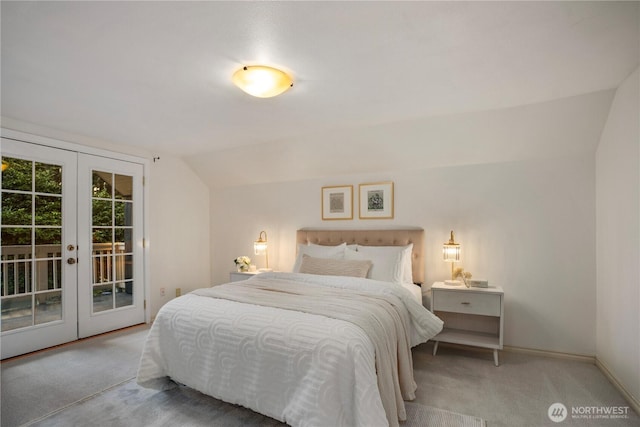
column 70, row 247
column 71, row 260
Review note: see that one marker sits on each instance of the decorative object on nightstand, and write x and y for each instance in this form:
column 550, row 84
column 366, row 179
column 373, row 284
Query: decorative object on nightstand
column 464, row 275
column 472, row 316
column 260, row 248
column 476, row 283
column 451, row 253
column 242, row 263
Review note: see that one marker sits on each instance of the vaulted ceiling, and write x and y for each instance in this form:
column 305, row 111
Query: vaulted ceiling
column 157, row 75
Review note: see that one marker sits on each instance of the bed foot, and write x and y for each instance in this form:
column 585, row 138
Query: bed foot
column 435, row 347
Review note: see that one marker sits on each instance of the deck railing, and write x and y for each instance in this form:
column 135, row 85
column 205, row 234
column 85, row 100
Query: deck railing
column 103, row 262
column 16, row 264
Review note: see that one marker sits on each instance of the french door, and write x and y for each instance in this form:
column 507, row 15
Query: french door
column 110, row 274
column 38, row 234
column 71, row 257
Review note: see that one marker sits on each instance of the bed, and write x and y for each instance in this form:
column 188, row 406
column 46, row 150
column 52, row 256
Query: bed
column 303, row 347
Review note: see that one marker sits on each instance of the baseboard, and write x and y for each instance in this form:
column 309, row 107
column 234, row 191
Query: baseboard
column 635, row 404
column 555, row 354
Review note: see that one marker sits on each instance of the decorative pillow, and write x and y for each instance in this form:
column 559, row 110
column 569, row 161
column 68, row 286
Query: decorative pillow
column 390, row 263
column 334, row 267
column 318, row 251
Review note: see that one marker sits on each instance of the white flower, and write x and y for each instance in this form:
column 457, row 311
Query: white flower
column 243, row 260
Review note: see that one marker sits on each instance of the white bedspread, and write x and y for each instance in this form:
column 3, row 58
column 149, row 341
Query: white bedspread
column 300, row 368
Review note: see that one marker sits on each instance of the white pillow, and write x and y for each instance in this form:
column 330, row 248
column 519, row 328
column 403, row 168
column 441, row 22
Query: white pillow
column 318, row 251
column 390, row 263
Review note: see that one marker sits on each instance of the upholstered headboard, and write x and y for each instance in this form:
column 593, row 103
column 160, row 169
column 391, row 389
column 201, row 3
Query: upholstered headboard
column 371, row 238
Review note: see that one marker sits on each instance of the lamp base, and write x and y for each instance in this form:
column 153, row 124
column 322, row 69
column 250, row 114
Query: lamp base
column 453, row 282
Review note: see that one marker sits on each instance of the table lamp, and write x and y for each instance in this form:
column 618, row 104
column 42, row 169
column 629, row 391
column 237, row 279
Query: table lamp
column 260, row 248
column 451, row 253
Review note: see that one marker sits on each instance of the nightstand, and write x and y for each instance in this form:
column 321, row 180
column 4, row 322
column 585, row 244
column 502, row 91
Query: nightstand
column 472, row 316
column 236, row 276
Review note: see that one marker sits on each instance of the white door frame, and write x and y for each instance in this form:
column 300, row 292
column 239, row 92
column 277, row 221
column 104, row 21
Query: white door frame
column 55, row 143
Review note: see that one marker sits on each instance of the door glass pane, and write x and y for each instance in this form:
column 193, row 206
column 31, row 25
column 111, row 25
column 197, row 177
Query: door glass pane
column 112, row 220
column 124, row 294
column 31, row 291
column 102, row 213
column 16, row 174
column 124, row 187
column 48, row 274
column 123, row 213
column 16, row 312
column 124, row 237
column 48, row 239
column 124, row 267
column 48, row 178
column 16, row 274
column 101, row 268
column 102, row 235
column 14, row 236
column 48, row 307
column 102, row 184
column 102, row 298
column 48, row 210
column 16, row 208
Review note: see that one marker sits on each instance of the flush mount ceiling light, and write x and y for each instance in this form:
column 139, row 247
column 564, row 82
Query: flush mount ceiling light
column 262, row 81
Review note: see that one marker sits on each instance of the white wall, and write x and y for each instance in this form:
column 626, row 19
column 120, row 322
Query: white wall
column 528, row 226
column 618, row 239
column 516, row 185
column 178, row 229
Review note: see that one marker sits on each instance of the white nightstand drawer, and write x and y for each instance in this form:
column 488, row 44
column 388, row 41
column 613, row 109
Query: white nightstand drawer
column 467, row 302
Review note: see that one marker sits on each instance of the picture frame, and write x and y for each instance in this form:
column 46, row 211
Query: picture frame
column 376, row 200
column 337, row 202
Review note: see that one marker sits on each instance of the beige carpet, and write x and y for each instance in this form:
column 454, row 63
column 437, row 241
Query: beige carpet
column 39, row 383
column 462, row 380
column 128, row 404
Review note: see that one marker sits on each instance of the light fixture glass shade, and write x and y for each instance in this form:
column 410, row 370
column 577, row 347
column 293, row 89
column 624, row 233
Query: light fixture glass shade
column 262, row 81
column 451, row 253
column 260, row 247
column 451, row 250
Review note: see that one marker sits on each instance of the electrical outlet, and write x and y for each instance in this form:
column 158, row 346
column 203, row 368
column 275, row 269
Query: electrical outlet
column 161, row 292
column 178, row 292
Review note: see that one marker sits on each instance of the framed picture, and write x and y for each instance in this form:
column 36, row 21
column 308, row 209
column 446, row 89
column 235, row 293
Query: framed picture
column 337, row 202
column 376, row 200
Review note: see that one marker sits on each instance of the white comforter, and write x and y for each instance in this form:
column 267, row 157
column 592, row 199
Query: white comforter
column 300, row 368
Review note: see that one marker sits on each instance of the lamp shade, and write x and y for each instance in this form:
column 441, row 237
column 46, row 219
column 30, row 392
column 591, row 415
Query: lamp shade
column 260, row 247
column 451, row 250
column 262, row 81
column 451, row 253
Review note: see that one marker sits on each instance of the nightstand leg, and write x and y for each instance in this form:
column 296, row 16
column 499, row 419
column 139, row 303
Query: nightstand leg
column 495, row 357
column 435, row 347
